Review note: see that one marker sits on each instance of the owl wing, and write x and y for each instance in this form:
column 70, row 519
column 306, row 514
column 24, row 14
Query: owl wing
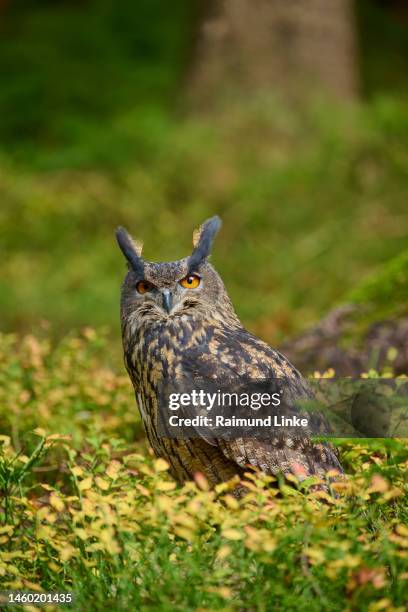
column 229, row 356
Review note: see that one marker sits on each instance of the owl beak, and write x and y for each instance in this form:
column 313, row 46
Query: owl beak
column 167, row 300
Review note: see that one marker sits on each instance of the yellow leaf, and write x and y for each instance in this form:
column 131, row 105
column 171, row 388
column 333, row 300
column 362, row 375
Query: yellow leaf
column 165, row 503
column 394, row 492
column 333, row 473
column 232, row 534
column 231, row 502
column 186, row 520
column 201, row 481
column 85, row 484
column 269, row 545
column 113, row 469
column 165, row 486
column 102, row 484
column 54, row 567
column 351, row 561
column 55, row 437
column 46, row 533
column 143, row 490
column 146, row 470
column 40, row 432
column 381, row 604
column 160, row 465
column 223, row 552
column 96, row 546
column 56, row 502
column 315, row 555
column 378, row 484
column 223, row 592
column 67, row 552
column 46, row 487
column 7, row 529
column 77, row 471
column 88, row 507
column 43, row 513
column 134, row 556
column 323, row 495
column 184, row 533
column 402, row 530
column 81, row 533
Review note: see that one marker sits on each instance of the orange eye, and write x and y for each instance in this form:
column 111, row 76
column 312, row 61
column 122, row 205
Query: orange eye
column 144, row 286
column 192, row 281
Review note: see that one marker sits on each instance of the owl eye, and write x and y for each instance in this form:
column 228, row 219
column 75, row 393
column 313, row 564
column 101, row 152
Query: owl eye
column 144, row 286
column 192, row 281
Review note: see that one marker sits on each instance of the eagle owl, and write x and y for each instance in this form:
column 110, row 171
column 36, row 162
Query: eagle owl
column 178, row 321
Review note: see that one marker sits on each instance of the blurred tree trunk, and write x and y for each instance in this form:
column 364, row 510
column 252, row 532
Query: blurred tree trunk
column 282, row 45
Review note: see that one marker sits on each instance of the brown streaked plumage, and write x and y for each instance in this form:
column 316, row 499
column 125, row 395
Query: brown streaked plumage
column 171, row 331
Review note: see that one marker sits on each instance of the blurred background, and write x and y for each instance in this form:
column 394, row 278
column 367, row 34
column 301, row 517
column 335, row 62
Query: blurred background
column 287, row 118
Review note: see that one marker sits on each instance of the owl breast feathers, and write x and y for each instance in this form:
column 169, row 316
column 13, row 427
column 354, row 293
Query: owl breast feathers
column 179, row 324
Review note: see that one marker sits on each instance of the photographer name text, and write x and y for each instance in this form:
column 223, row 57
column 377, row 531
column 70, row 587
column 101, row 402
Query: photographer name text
column 221, row 421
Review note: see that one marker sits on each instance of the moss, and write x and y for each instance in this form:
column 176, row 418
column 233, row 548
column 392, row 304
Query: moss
column 383, row 296
column 386, row 293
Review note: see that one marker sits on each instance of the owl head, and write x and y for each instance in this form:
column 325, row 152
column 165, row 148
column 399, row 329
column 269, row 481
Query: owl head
column 189, row 287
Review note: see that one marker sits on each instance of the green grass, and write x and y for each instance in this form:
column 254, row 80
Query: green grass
column 83, row 507
column 376, row 291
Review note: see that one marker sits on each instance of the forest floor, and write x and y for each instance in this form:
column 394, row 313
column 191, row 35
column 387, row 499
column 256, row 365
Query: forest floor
column 86, row 508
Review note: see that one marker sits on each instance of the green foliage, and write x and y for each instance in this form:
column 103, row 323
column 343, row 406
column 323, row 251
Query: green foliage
column 382, row 296
column 383, row 66
column 312, row 203
column 385, row 293
column 68, row 385
column 313, row 199
column 90, row 84
column 72, row 72
column 93, row 513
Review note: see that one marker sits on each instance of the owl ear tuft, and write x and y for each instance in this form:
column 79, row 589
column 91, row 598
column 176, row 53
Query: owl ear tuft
column 137, row 245
column 202, row 240
column 196, row 235
column 131, row 249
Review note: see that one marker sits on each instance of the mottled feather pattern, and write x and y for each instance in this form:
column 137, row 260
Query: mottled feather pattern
column 201, row 336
